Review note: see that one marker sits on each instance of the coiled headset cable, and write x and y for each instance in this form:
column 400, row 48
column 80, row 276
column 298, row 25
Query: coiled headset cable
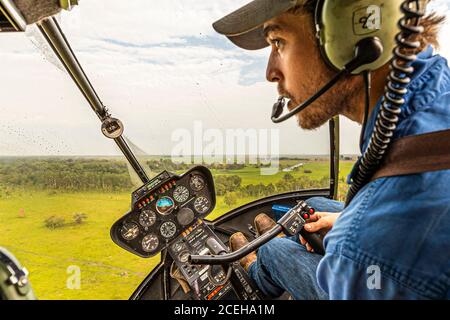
column 394, row 97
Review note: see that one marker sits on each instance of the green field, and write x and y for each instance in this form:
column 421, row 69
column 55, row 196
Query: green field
column 251, row 175
column 107, row 271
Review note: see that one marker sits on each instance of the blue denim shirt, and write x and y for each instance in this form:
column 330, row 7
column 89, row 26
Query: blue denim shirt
column 393, row 240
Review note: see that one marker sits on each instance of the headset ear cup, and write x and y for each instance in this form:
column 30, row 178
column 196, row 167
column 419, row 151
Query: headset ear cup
column 342, row 24
column 318, row 24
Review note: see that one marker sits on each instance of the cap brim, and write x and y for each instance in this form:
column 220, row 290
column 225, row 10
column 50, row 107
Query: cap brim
column 252, row 40
column 244, row 26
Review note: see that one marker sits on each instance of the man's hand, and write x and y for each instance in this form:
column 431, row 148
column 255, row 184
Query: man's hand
column 320, row 222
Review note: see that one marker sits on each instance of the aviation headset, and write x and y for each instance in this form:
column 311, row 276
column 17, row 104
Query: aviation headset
column 342, row 24
column 357, row 37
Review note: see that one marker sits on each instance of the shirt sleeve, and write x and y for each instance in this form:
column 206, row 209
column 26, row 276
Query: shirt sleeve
column 388, row 244
column 344, row 279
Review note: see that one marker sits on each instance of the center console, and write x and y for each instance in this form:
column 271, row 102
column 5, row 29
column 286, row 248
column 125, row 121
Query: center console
column 210, row 282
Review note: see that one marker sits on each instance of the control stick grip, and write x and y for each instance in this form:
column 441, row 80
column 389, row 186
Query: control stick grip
column 314, row 241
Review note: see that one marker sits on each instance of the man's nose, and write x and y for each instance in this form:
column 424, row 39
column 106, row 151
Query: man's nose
column 273, row 73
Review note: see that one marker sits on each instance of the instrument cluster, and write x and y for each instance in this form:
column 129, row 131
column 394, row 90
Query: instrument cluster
column 163, row 209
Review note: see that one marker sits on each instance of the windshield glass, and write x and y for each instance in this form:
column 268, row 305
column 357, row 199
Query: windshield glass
column 186, row 97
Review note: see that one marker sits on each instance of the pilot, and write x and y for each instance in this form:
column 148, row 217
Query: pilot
column 393, row 240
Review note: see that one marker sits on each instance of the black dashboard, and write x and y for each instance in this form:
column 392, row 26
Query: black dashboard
column 163, row 209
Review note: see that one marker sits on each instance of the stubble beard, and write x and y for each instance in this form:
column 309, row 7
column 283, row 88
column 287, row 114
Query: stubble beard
column 337, row 101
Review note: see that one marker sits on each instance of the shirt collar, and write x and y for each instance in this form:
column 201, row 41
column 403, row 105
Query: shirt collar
column 422, row 63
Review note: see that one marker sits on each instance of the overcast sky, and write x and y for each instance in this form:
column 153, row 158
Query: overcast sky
column 158, row 66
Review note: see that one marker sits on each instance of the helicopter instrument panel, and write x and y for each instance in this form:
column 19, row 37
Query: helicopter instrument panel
column 163, row 209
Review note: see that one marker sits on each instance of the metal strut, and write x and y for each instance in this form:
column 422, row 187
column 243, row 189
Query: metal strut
column 55, row 37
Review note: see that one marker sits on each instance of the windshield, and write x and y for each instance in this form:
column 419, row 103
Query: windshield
column 186, row 97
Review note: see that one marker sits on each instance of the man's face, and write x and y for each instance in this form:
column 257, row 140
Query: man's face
column 296, row 64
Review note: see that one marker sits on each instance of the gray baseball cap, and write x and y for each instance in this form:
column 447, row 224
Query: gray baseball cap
column 244, row 27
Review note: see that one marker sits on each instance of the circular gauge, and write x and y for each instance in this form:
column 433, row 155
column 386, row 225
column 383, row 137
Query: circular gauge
column 201, row 205
column 150, row 243
column 197, row 182
column 177, row 247
column 168, row 229
column 129, row 231
column 181, row 194
column 147, row 218
column 185, row 216
column 184, row 257
column 165, row 205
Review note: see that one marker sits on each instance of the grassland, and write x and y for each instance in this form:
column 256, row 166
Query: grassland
column 107, row 271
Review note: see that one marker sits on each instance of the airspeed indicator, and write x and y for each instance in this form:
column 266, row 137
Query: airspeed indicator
column 181, row 194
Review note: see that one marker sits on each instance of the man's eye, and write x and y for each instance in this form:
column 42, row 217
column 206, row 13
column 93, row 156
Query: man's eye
column 277, row 43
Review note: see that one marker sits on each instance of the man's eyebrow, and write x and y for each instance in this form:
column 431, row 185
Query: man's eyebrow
column 270, row 28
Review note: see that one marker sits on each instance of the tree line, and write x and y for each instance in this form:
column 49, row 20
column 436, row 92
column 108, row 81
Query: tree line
column 66, row 174
column 108, row 175
column 226, row 185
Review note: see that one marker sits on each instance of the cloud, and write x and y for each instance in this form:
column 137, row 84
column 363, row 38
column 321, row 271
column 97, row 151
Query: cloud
column 158, row 66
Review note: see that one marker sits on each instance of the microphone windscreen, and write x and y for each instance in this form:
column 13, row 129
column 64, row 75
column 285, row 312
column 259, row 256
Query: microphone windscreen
column 36, row 10
column 277, row 108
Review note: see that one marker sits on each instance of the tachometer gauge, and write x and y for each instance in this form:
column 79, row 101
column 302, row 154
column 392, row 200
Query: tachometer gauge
column 165, row 205
column 197, row 182
column 181, row 194
column 147, row 218
column 168, row 229
column 129, row 231
column 201, row 205
column 150, row 243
